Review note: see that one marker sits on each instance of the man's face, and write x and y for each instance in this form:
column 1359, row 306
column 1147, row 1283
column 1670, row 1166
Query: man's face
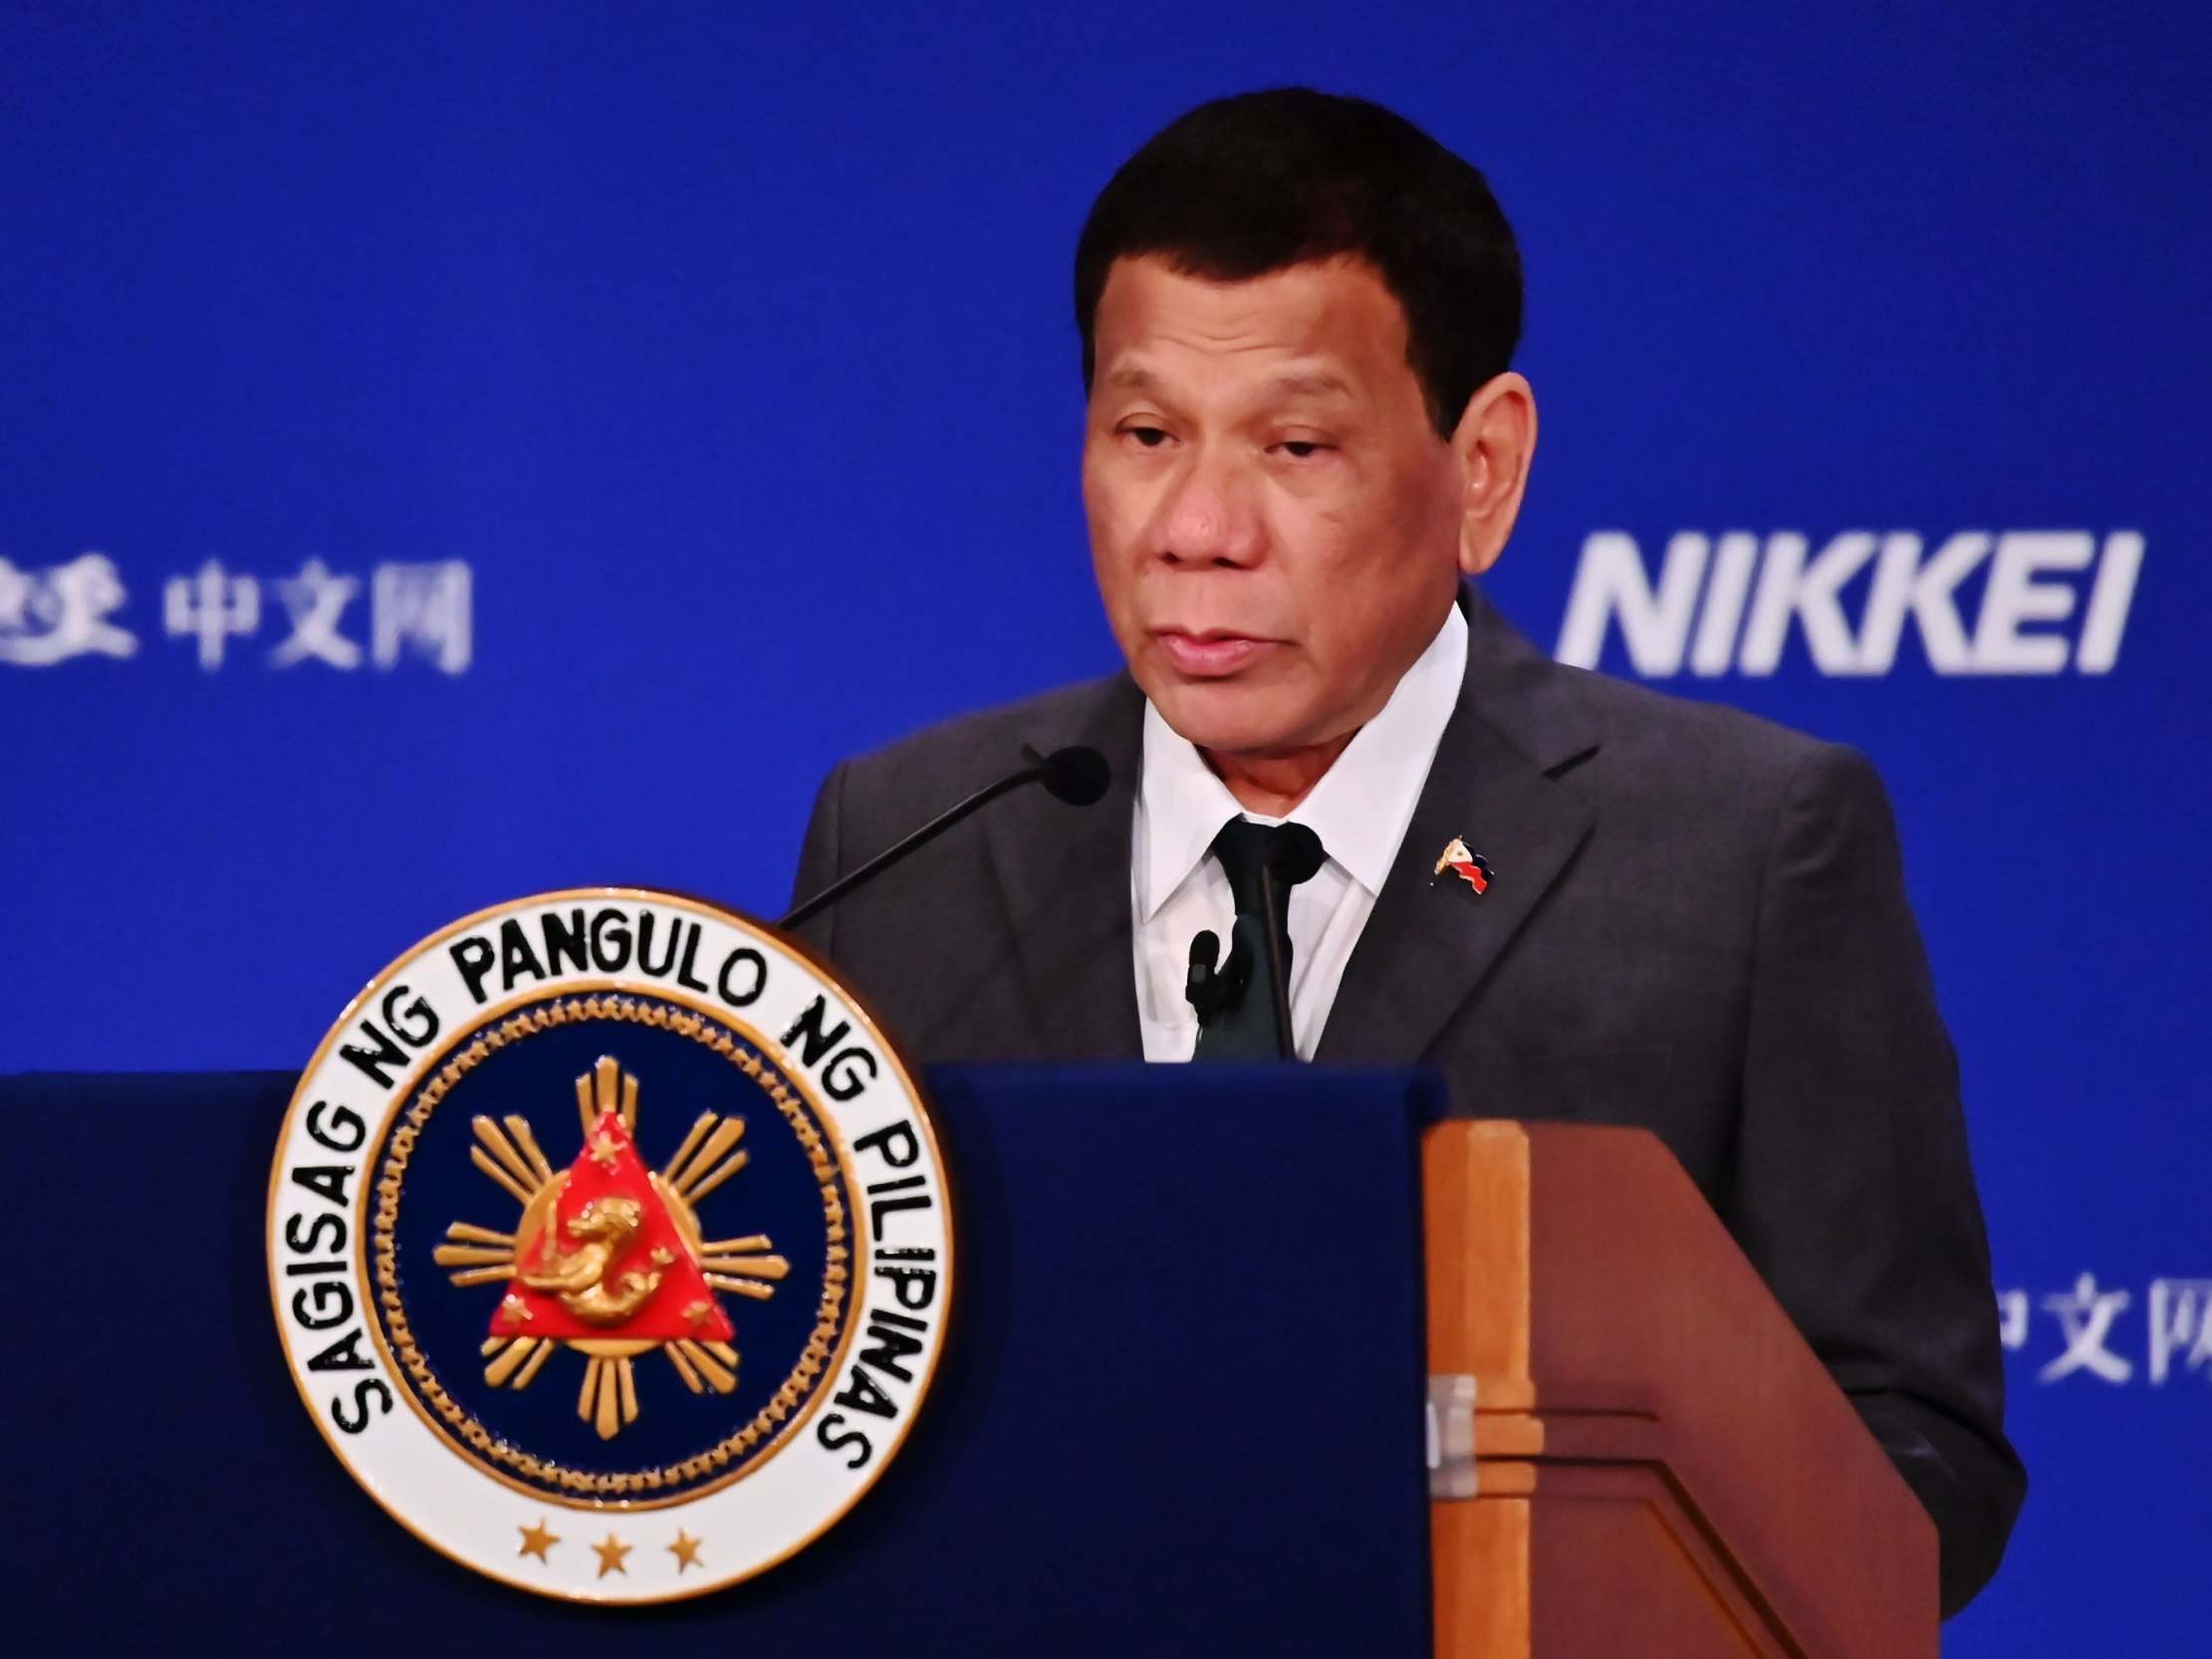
column 1274, row 521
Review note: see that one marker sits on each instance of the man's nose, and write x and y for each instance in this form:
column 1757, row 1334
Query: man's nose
column 1209, row 517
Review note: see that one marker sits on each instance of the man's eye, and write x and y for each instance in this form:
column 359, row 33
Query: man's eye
column 1149, row 437
column 1302, row 449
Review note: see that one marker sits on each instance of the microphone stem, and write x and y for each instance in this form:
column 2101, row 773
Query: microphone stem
column 1278, row 974
column 898, row 849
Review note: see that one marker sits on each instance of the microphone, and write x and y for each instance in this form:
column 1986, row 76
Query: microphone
column 1075, row 775
column 1209, row 990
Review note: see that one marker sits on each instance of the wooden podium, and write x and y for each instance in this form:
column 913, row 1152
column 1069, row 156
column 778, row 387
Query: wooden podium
column 1181, row 1417
column 1659, row 1466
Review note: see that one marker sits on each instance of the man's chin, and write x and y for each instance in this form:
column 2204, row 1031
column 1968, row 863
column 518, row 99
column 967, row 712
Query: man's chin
column 1224, row 719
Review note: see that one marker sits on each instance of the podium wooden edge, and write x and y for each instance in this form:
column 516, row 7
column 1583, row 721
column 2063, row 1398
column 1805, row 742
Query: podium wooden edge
column 1645, row 1400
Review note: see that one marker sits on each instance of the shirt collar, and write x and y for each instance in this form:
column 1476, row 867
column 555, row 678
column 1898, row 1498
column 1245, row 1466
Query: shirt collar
column 1359, row 809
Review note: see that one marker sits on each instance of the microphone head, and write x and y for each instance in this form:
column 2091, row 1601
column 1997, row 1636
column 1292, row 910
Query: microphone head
column 1205, row 949
column 1077, row 775
column 1294, row 853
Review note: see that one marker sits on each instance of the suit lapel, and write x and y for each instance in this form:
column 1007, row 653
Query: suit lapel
column 1063, row 873
column 1063, row 877
column 1430, row 943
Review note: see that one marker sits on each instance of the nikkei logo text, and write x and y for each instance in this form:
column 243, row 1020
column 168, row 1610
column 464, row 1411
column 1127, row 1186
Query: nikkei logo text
column 2050, row 600
column 2093, row 1338
column 80, row 608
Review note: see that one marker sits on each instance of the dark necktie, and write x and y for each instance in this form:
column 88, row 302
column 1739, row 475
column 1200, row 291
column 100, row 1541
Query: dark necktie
column 1236, row 1010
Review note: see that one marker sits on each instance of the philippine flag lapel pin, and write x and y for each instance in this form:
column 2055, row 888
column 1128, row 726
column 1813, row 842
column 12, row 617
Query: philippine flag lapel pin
column 1471, row 867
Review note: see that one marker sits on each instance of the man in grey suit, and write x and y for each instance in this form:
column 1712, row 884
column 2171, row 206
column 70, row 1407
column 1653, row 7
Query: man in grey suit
column 1576, row 899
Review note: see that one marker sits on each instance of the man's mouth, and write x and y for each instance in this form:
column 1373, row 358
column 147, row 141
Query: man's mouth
column 1210, row 653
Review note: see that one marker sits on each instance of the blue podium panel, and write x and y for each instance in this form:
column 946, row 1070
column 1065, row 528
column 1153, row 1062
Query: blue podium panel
column 1180, row 1412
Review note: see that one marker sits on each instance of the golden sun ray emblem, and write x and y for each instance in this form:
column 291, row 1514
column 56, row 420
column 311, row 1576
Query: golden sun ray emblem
column 608, row 1258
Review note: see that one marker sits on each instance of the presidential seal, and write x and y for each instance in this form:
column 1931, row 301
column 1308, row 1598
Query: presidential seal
column 609, row 1245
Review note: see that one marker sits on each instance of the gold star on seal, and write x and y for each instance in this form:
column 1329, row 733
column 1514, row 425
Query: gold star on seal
column 686, row 1552
column 605, row 1150
column 536, row 1540
column 611, row 1556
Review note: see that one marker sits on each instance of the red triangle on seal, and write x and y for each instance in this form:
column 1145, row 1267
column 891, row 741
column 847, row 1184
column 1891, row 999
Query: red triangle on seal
column 610, row 1262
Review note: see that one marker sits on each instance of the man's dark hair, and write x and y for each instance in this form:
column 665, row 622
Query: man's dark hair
column 1255, row 184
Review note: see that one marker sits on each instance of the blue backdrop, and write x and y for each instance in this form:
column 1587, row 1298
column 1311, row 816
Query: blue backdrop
column 447, row 453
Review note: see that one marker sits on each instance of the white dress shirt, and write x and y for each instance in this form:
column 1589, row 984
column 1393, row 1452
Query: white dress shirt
column 1360, row 810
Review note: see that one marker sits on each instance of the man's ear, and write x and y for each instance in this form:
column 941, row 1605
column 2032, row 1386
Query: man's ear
column 1494, row 443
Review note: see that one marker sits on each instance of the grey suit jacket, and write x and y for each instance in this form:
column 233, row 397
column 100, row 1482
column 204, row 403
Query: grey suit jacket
column 1697, row 925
